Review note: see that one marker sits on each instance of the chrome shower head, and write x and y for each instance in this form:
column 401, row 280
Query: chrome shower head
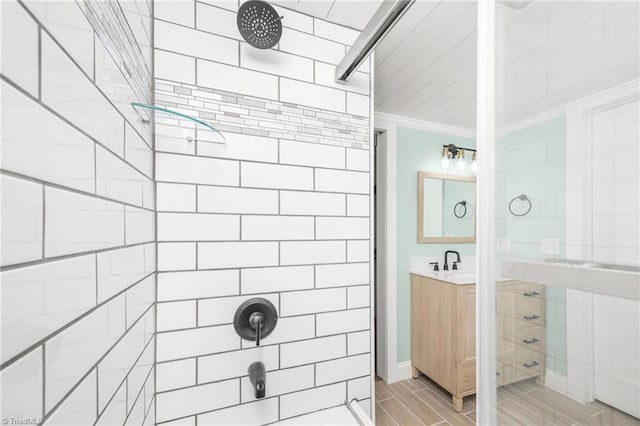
column 259, row 24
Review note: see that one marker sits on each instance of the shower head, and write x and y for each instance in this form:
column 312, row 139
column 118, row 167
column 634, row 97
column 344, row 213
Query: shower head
column 259, row 24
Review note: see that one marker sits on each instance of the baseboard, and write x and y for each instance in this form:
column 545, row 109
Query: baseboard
column 402, row 371
column 556, row 381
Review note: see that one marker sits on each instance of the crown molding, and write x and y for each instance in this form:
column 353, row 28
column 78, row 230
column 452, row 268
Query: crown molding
column 429, row 126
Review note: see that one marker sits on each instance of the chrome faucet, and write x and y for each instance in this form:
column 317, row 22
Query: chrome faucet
column 455, row 263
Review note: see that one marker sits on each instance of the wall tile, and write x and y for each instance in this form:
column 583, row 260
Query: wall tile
column 275, row 62
column 276, row 176
column 359, row 342
column 175, row 374
column 138, row 378
column 22, row 387
column 342, row 369
column 358, row 104
column 176, row 197
column 358, row 159
column 340, row 275
column 137, row 152
column 303, row 44
column 197, row 227
column 331, row 228
column 80, row 407
column 191, row 42
column 297, row 92
column 217, row 20
column 139, row 225
column 312, row 203
column 335, row 32
column 234, row 364
column 221, row 310
column 260, row 412
column 288, row 330
column 218, row 199
column 310, row 301
column 237, row 254
column 303, row 402
column 241, row 147
column 52, row 151
column 313, row 350
column 189, row 169
column 70, row 28
column 139, row 298
column 311, row 154
column 197, row 284
column 200, row 341
column 180, row 12
column 237, row 80
column 277, row 228
column 176, row 315
column 22, row 211
column 358, row 297
column 171, row 66
column 285, row 278
column 116, row 411
column 29, row 314
column 309, row 252
column 76, row 223
column 280, row 382
column 359, row 389
column 176, row 256
column 72, row 95
column 73, row 352
column 357, row 205
column 113, row 369
column 181, row 403
column 117, row 180
column 295, row 20
column 325, row 76
column 358, row 251
column 343, row 321
column 20, row 57
column 339, row 181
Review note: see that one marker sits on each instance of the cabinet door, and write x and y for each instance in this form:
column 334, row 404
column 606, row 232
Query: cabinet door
column 466, row 327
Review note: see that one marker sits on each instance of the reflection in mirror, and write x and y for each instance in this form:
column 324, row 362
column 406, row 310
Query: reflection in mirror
column 446, row 208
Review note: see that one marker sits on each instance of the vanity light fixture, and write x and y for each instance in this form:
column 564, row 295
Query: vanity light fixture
column 451, row 151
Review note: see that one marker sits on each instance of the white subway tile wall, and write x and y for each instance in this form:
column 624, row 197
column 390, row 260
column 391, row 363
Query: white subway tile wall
column 280, row 212
column 78, row 231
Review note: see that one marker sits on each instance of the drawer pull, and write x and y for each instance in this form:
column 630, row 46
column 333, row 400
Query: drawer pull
column 531, row 317
column 531, row 293
column 532, row 364
column 532, row 340
column 498, row 373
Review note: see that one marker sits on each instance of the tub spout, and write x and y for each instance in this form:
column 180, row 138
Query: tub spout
column 258, row 379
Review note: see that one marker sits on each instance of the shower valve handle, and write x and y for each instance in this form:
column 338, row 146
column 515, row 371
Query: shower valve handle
column 256, row 320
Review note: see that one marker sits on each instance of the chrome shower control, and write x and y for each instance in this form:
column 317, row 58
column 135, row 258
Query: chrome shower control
column 255, row 319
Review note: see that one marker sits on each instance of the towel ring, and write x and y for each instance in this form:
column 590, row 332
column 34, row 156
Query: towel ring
column 522, row 197
column 455, row 209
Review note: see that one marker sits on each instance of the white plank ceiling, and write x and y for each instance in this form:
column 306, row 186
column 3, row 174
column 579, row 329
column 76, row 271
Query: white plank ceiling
column 549, row 53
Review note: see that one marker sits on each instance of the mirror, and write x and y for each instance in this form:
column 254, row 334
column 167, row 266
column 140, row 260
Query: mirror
column 446, row 208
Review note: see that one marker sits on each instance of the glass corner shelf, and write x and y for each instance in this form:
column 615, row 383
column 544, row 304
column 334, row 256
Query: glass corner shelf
column 178, row 125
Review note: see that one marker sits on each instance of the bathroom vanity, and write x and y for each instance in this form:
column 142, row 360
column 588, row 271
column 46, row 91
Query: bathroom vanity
column 443, row 331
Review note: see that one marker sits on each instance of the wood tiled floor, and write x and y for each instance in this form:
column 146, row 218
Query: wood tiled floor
column 422, row 402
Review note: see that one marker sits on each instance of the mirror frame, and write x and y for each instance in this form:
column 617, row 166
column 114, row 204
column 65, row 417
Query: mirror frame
column 430, row 240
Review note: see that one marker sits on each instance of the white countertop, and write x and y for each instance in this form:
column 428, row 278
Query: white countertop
column 461, row 277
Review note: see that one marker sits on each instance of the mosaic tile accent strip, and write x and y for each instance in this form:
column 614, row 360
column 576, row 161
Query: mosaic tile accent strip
column 233, row 112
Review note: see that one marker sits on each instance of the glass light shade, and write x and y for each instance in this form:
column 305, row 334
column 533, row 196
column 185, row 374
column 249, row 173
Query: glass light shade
column 461, row 165
column 445, row 162
column 474, row 167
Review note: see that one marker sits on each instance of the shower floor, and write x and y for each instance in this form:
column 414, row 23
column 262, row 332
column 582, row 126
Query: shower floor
column 422, row 402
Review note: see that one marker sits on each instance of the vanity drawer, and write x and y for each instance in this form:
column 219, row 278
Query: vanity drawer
column 531, row 338
column 529, row 316
column 528, row 362
column 504, row 372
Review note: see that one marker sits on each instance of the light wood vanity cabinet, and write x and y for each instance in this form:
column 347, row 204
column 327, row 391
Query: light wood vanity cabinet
column 443, row 327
